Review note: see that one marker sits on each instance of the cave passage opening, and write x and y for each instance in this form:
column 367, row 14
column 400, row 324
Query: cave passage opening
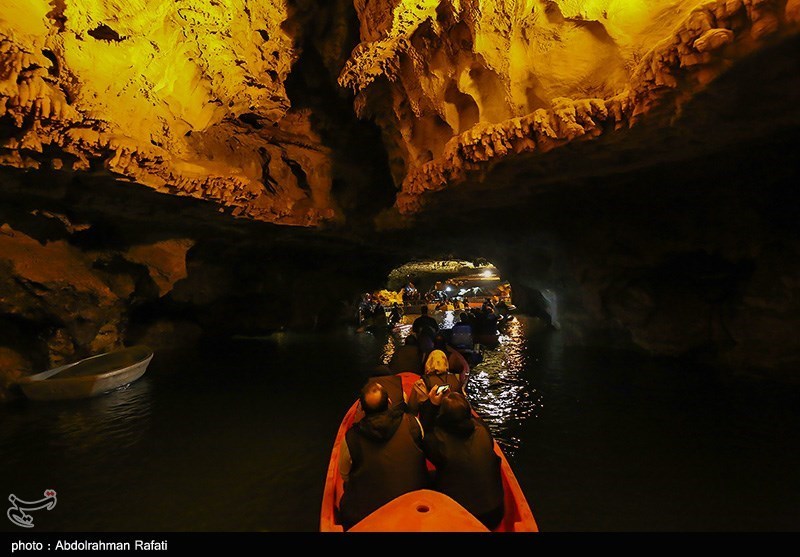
column 446, row 286
column 450, row 285
column 449, row 282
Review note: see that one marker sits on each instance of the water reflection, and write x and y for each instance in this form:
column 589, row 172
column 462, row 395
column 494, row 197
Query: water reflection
column 498, row 391
column 389, row 347
column 114, row 420
column 496, row 388
column 119, row 418
column 203, row 443
column 446, row 319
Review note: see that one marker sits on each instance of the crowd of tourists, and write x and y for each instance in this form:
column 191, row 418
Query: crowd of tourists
column 427, row 437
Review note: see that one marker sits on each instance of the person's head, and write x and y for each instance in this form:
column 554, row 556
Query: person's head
column 454, row 412
column 374, row 398
column 436, row 362
column 439, row 342
column 423, row 310
column 411, row 340
column 464, row 317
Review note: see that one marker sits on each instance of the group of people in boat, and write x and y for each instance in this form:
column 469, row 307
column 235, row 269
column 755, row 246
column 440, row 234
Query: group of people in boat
column 385, row 452
column 372, row 314
column 478, row 325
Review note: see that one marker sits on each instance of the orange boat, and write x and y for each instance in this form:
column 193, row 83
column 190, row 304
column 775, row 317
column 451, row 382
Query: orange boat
column 423, row 510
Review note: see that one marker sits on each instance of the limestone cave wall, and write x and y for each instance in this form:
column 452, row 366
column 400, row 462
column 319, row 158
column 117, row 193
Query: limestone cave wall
column 170, row 170
column 188, row 98
column 459, row 85
column 709, row 269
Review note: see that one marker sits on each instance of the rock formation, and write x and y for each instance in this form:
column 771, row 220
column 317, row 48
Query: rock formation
column 76, row 302
column 459, row 85
column 631, row 160
column 185, row 97
column 189, row 98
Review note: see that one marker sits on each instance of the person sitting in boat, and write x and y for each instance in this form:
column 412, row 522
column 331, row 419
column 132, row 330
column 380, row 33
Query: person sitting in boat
column 424, row 321
column 475, row 315
column 437, row 373
column 461, row 333
column 425, row 340
column 365, row 309
column 461, row 447
column 407, row 357
column 396, row 315
column 502, row 311
column 393, row 384
column 410, row 293
column 379, row 317
column 485, row 328
column 380, row 457
column 456, row 362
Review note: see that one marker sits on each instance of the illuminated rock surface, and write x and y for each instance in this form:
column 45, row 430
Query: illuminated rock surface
column 80, row 299
column 459, row 84
column 633, row 159
column 185, row 97
column 189, row 98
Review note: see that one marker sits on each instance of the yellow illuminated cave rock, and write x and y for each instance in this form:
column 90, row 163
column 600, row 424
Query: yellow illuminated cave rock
column 458, row 83
column 186, row 97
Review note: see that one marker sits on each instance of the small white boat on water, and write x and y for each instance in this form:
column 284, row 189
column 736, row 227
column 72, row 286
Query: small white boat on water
column 90, row 376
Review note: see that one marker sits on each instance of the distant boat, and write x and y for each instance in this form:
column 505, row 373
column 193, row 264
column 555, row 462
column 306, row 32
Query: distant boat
column 90, row 376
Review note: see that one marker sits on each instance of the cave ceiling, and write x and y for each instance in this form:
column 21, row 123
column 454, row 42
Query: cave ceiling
column 346, row 116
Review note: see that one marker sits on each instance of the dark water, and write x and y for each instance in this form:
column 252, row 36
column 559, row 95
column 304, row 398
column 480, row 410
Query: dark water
column 237, row 437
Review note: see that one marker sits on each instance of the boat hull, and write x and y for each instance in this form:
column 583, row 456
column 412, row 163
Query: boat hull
column 420, row 511
column 82, row 386
column 403, row 514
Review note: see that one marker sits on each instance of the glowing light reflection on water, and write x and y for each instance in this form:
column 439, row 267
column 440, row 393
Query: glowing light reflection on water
column 388, row 350
column 446, row 319
column 120, row 417
column 214, row 438
column 499, row 393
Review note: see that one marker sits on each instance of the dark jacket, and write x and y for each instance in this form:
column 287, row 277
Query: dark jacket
column 418, row 399
column 406, row 358
column 425, row 322
column 461, row 336
column 387, row 461
column 467, row 468
column 435, row 379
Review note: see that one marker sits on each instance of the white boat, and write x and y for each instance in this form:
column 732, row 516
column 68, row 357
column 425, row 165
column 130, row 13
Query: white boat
column 90, row 376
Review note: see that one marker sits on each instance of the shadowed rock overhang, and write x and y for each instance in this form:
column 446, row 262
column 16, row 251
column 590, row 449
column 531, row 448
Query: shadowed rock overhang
column 189, row 98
